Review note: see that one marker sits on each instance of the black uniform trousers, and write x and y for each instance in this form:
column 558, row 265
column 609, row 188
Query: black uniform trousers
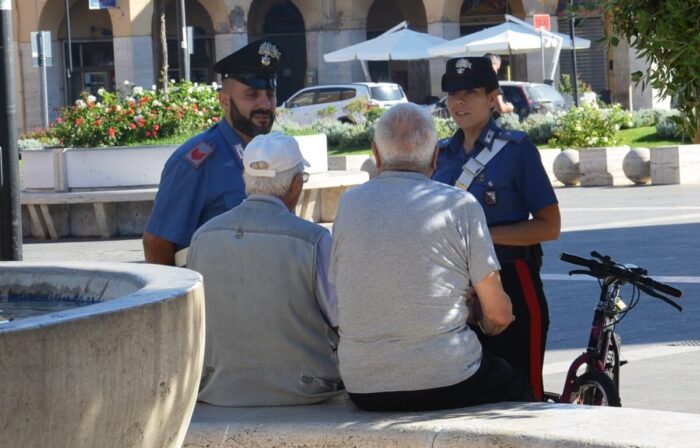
column 522, row 344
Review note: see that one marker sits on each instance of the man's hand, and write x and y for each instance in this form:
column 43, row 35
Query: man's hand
column 158, row 250
column 473, row 307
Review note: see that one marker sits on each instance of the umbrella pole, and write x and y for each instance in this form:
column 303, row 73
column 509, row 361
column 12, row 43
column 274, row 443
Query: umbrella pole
column 544, row 76
column 368, row 78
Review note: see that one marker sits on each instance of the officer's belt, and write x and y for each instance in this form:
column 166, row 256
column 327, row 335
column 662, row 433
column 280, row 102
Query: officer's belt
column 476, row 165
column 509, row 254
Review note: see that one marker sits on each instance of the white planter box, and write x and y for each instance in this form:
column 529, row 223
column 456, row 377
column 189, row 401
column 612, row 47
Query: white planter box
column 124, row 167
column 603, row 166
column 675, row 165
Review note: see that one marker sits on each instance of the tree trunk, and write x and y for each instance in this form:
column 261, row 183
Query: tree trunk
column 160, row 45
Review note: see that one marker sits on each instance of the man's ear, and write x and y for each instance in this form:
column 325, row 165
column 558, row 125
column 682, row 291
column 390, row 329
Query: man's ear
column 377, row 159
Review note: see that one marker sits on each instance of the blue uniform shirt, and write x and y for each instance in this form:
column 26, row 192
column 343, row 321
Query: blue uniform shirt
column 201, row 179
column 514, row 183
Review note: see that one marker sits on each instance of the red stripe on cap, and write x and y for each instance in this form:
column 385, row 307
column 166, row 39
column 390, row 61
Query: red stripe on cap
column 533, row 307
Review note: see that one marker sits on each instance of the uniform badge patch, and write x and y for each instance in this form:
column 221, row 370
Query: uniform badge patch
column 239, row 151
column 490, row 197
column 462, row 65
column 197, row 155
column 268, row 51
column 489, row 137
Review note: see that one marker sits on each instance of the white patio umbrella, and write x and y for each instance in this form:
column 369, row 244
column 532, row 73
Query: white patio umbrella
column 398, row 43
column 508, row 37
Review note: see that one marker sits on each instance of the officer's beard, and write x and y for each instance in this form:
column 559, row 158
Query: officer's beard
column 246, row 125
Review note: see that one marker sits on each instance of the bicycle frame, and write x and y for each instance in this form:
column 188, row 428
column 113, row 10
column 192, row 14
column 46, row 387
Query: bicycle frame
column 596, row 354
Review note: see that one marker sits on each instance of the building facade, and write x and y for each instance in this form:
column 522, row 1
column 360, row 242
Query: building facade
column 112, row 45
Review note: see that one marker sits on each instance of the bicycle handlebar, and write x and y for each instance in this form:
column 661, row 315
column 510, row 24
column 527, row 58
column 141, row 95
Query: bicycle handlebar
column 604, row 266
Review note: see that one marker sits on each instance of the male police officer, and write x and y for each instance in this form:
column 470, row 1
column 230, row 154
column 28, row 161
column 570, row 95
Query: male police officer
column 203, row 177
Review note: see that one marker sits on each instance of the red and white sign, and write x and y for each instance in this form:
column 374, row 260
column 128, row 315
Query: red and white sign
column 542, row 22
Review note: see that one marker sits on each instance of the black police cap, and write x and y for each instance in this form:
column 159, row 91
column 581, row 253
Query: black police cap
column 255, row 65
column 469, row 73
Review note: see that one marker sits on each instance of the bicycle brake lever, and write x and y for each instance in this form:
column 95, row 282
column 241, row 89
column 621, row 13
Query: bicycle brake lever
column 581, row 271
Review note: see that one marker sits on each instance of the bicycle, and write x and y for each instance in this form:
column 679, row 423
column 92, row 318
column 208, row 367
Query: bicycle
column 599, row 383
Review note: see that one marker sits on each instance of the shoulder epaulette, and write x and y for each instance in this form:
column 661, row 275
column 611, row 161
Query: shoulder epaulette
column 198, row 154
column 512, row 136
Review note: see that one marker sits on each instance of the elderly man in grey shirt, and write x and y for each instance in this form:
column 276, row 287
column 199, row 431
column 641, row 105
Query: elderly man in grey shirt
column 413, row 264
column 270, row 313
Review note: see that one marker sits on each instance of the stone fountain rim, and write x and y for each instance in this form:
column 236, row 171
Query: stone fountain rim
column 157, row 284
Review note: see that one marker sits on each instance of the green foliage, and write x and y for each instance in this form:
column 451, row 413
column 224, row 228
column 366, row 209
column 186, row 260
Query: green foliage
column 621, row 118
column 665, row 34
column 327, row 113
column 445, row 127
column 670, row 126
column 510, row 121
column 566, row 86
column 584, row 127
column 374, row 113
column 540, row 127
column 356, row 110
column 135, row 114
column 645, row 117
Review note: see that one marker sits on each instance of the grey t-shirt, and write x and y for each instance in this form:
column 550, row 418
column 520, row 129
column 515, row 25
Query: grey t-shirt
column 405, row 250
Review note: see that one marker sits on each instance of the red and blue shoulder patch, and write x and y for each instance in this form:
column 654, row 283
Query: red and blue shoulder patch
column 197, row 155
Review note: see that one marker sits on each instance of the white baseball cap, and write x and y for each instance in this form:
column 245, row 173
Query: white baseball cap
column 274, row 152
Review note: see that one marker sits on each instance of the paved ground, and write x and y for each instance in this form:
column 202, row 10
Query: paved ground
column 654, row 227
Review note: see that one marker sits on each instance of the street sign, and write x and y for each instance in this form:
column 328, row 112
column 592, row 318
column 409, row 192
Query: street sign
column 542, row 22
column 103, row 4
column 41, row 49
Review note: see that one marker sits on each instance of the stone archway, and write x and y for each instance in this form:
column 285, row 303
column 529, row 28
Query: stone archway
column 413, row 76
column 203, row 58
column 282, row 22
column 92, row 51
column 476, row 15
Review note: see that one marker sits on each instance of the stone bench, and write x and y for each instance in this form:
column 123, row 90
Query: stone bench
column 499, row 425
column 109, row 212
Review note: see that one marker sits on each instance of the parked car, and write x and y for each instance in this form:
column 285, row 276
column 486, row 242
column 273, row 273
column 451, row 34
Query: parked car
column 303, row 106
column 531, row 97
column 527, row 98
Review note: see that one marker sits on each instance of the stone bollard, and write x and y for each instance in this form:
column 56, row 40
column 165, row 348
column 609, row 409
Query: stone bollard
column 566, row 167
column 636, row 165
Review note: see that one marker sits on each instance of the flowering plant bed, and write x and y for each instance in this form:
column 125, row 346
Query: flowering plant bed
column 135, row 114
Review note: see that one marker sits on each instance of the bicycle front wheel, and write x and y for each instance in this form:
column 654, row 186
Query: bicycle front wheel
column 595, row 389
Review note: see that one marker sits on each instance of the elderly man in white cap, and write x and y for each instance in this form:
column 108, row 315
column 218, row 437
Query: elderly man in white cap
column 270, row 337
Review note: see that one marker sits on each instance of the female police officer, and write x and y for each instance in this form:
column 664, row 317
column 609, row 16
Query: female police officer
column 503, row 170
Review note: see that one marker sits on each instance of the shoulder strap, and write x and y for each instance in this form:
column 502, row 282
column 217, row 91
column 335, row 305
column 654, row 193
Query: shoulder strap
column 476, row 165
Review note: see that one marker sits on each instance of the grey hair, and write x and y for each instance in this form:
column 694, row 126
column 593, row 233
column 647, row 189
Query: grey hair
column 405, row 137
column 276, row 186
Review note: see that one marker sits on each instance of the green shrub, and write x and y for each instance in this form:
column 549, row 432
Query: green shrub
column 645, row 117
column 670, row 126
column 540, row 127
column 326, row 113
column 510, row 121
column 584, row 127
column 136, row 114
column 373, row 114
column 621, row 118
column 566, row 86
column 356, row 110
column 445, row 127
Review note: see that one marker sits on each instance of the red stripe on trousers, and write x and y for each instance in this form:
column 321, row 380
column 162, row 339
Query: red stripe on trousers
column 533, row 307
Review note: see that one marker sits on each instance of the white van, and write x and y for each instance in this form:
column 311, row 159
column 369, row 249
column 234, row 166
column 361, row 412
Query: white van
column 303, row 106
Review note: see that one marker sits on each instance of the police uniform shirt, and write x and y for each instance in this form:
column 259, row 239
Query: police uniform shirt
column 202, row 179
column 513, row 184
